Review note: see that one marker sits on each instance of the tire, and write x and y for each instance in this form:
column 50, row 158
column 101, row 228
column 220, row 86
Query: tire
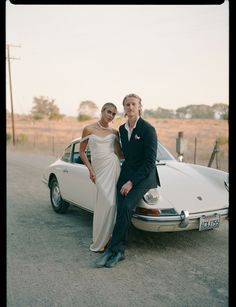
column 58, row 204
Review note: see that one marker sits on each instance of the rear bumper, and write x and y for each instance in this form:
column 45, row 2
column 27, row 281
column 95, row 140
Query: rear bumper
column 174, row 223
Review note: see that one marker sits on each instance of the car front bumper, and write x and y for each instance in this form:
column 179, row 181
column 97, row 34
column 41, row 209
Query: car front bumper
column 174, row 223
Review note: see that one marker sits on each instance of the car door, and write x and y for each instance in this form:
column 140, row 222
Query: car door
column 80, row 189
column 61, row 171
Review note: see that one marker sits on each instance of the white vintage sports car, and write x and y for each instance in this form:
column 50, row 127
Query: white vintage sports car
column 190, row 197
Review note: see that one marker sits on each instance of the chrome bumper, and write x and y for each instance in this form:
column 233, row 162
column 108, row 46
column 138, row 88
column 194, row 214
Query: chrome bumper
column 183, row 221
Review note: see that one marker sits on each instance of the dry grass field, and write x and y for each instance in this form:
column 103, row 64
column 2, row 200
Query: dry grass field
column 51, row 136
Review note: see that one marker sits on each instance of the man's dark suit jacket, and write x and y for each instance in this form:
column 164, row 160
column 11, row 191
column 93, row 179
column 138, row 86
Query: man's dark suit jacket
column 140, row 156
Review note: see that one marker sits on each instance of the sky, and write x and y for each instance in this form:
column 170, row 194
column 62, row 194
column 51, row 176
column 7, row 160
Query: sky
column 170, row 55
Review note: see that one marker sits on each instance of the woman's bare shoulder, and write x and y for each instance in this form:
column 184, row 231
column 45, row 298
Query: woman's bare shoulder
column 89, row 129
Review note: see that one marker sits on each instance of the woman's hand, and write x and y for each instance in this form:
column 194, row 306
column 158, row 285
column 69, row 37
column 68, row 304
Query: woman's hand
column 92, row 176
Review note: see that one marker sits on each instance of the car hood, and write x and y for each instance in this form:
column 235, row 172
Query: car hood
column 192, row 188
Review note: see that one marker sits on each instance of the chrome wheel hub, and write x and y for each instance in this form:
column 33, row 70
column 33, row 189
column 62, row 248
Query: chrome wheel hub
column 56, row 196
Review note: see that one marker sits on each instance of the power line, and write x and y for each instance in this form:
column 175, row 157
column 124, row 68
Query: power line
column 9, row 58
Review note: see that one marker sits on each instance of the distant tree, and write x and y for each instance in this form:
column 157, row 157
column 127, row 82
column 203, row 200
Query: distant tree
column 8, row 136
column 225, row 116
column 195, row 111
column 220, row 110
column 181, row 112
column 149, row 113
column 87, row 110
column 217, row 111
column 159, row 113
column 202, row 111
column 45, row 108
column 53, row 111
column 164, row 113
column 39, row 110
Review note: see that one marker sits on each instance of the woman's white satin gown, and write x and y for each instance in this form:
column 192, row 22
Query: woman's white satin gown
column 107, row 168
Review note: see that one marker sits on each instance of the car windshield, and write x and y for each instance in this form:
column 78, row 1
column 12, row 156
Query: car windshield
column 163, row 153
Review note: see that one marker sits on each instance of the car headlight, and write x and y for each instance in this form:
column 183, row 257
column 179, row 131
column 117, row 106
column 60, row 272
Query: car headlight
column 226, row 182
column 151, row 197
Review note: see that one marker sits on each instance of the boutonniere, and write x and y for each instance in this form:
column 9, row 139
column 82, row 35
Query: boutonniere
column 136, row 137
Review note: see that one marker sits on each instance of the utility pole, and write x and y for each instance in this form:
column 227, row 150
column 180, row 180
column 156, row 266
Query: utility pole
column 10, row 84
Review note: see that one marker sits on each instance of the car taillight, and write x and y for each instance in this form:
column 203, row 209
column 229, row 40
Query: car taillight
column 145, row 211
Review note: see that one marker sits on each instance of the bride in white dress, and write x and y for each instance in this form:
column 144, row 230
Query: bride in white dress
column 104, row 170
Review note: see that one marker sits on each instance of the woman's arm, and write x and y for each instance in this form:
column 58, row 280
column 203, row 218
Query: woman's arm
column 117, row 146
column 83, row 155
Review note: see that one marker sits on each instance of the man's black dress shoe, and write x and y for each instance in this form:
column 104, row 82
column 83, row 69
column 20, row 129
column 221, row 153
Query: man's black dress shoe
column 114, row 259
column 103, row 259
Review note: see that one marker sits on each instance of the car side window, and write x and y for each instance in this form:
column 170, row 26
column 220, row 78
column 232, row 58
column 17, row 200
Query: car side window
column 88, row 154
column 66, row 155
column 76, row 156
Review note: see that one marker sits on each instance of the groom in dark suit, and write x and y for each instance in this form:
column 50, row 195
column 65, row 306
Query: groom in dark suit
column 138, row 175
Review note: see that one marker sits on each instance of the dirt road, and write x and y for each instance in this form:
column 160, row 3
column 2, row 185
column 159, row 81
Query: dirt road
column 49, row 262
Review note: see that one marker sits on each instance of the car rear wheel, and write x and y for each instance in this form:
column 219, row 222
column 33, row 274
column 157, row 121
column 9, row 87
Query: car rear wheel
column 58, row 204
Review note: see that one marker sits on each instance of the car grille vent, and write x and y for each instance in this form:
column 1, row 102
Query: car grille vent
column 168, row 212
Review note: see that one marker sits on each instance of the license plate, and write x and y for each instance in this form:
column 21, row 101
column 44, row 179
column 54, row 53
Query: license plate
column 209, row 222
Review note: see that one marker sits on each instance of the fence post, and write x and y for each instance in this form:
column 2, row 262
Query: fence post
column 53, row 149
column 217, row 151
column 180, row 146
column 214, row 153
column 195, row 150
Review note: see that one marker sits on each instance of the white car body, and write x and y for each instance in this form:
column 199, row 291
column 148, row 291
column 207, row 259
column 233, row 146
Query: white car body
column 190, row 197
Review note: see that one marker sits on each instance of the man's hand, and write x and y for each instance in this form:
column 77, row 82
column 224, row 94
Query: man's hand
column 126, row 188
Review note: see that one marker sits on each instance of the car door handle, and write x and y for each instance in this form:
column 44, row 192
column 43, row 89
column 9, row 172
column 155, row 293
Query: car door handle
column 65, row 170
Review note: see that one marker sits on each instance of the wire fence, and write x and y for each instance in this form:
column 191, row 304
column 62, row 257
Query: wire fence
column 197, row 150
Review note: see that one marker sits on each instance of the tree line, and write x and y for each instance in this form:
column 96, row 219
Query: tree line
column 216, row 111
column 44, row 107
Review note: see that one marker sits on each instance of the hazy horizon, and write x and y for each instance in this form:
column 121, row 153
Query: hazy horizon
column 120, row 111
column 170, row 55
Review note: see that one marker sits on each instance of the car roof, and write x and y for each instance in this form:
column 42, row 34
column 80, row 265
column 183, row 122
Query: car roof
column 75, row 140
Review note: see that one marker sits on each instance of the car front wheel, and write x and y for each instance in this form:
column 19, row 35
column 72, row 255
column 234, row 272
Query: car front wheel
column 58, row 204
